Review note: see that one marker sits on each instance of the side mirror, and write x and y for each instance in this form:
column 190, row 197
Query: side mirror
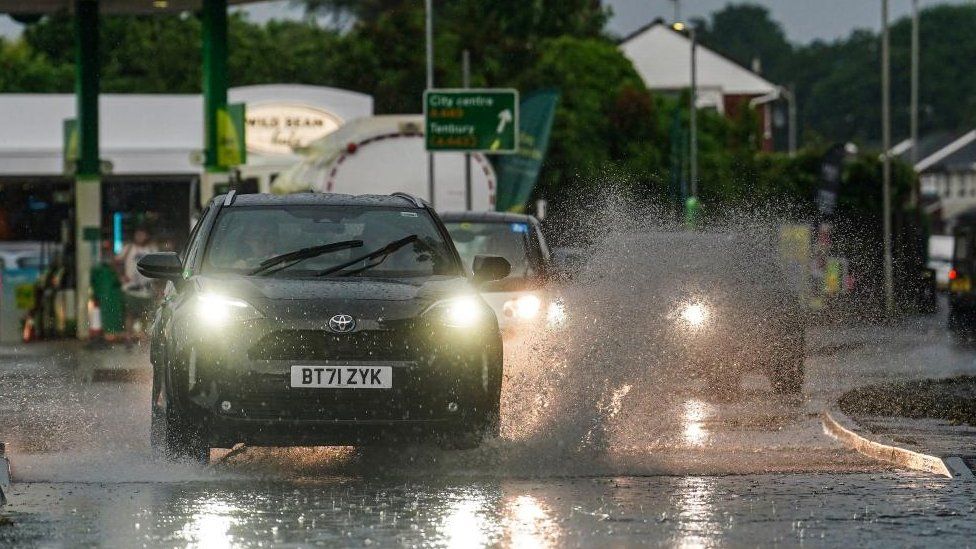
column 490, row 267
column 164, row 265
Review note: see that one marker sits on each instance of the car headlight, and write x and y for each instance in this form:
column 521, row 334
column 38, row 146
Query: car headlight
column 524, row 307
column 695, row 314
column 218, row 310
column 460, row 312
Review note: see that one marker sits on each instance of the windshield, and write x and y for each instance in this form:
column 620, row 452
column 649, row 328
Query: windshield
column 509, row 240
column 244, row 237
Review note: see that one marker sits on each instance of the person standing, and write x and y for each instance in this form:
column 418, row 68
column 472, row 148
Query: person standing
column 137, row 288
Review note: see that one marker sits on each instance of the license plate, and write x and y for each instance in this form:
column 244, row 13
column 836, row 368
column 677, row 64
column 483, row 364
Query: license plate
column 342, row 377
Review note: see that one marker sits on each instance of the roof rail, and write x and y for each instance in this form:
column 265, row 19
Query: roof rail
column 229, row 199
column 410, row 198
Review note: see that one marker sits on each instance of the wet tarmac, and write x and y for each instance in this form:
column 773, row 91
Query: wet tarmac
column 679, row 468
column 688, row 511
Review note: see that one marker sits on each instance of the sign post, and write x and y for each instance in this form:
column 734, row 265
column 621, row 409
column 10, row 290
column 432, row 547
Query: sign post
column 471, row 120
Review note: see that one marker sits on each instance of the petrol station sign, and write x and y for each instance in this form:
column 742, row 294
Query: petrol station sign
column 471, row 120
column 282, row 128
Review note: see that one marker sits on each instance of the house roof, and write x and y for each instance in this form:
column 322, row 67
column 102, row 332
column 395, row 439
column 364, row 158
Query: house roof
column 662, row 57
column 927, row 145
column 958, row 153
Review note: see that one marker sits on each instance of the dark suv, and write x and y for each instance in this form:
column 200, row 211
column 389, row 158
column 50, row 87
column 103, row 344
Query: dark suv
column 321, row 319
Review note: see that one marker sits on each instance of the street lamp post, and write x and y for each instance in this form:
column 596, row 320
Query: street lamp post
column 790, row 95
column 914, row 99
column 429, row 34
column 886, row 158
column 693, row 109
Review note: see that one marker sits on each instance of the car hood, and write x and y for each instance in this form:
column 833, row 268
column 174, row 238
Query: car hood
column 315, row 298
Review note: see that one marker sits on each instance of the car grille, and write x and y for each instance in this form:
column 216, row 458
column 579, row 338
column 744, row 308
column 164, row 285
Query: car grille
column 322, row 345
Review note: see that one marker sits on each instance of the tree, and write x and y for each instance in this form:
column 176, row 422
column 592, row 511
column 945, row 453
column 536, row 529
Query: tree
column 503, row 38
column 161, row 54
column 745, row 33
column 606, row 123
column 23, row 70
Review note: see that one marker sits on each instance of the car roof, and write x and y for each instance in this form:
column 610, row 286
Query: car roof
column 486, row 217
column 320, row 199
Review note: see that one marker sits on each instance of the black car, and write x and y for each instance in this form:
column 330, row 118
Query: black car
column 321, row 319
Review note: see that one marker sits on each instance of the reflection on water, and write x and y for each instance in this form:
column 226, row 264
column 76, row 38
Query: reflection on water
column 695, row 498
column 694, row 413
column 209, row 526
column 476, row 520
column 466, row 524
column 529, row 523
column 851, row 510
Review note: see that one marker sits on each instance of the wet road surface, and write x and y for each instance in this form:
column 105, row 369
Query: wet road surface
column 691, row 511
column 677, row 468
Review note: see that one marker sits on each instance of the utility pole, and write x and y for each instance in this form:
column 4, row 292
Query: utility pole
column 693, row 175
column 914, row 98
column 466, row 83
column 429, row 5
column 889, row 289
column 790, row 93
column 677, row 11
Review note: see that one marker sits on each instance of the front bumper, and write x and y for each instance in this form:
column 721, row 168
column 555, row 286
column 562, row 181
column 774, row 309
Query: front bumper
column 735, row 346
column 239, row 385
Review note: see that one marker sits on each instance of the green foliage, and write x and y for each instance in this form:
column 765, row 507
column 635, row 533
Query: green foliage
column 745, row 32
column 23, row 70
column 606, row 123
column 161, row 54
column 838, row 83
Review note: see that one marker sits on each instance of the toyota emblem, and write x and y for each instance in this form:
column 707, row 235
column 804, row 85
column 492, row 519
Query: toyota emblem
column 342, row 324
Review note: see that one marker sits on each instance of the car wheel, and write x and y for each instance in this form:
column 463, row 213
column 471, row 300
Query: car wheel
column 472, row 433
column 786, row 374
column 173, row 432
column 184, row 439
column 465, row 437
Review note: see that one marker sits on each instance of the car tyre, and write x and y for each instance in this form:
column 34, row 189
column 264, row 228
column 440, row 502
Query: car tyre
column 787, row 373
column 181, row 439
column 174, row 435
column 464, row 438
column 471, row 434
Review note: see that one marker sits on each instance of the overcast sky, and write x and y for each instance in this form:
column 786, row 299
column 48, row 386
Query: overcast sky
column 804, row 20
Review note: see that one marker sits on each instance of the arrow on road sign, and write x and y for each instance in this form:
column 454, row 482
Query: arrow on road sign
column 504, row 118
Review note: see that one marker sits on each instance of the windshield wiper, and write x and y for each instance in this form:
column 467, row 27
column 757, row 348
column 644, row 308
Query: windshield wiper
column 381, row 253
column 302, row 255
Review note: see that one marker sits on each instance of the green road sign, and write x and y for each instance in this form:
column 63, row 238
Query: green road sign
column 471, row 120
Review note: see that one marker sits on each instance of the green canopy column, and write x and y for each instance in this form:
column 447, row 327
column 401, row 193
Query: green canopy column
column 215, row 117
column 88, row 185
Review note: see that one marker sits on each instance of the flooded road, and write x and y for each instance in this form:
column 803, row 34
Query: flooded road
column 681, row 468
